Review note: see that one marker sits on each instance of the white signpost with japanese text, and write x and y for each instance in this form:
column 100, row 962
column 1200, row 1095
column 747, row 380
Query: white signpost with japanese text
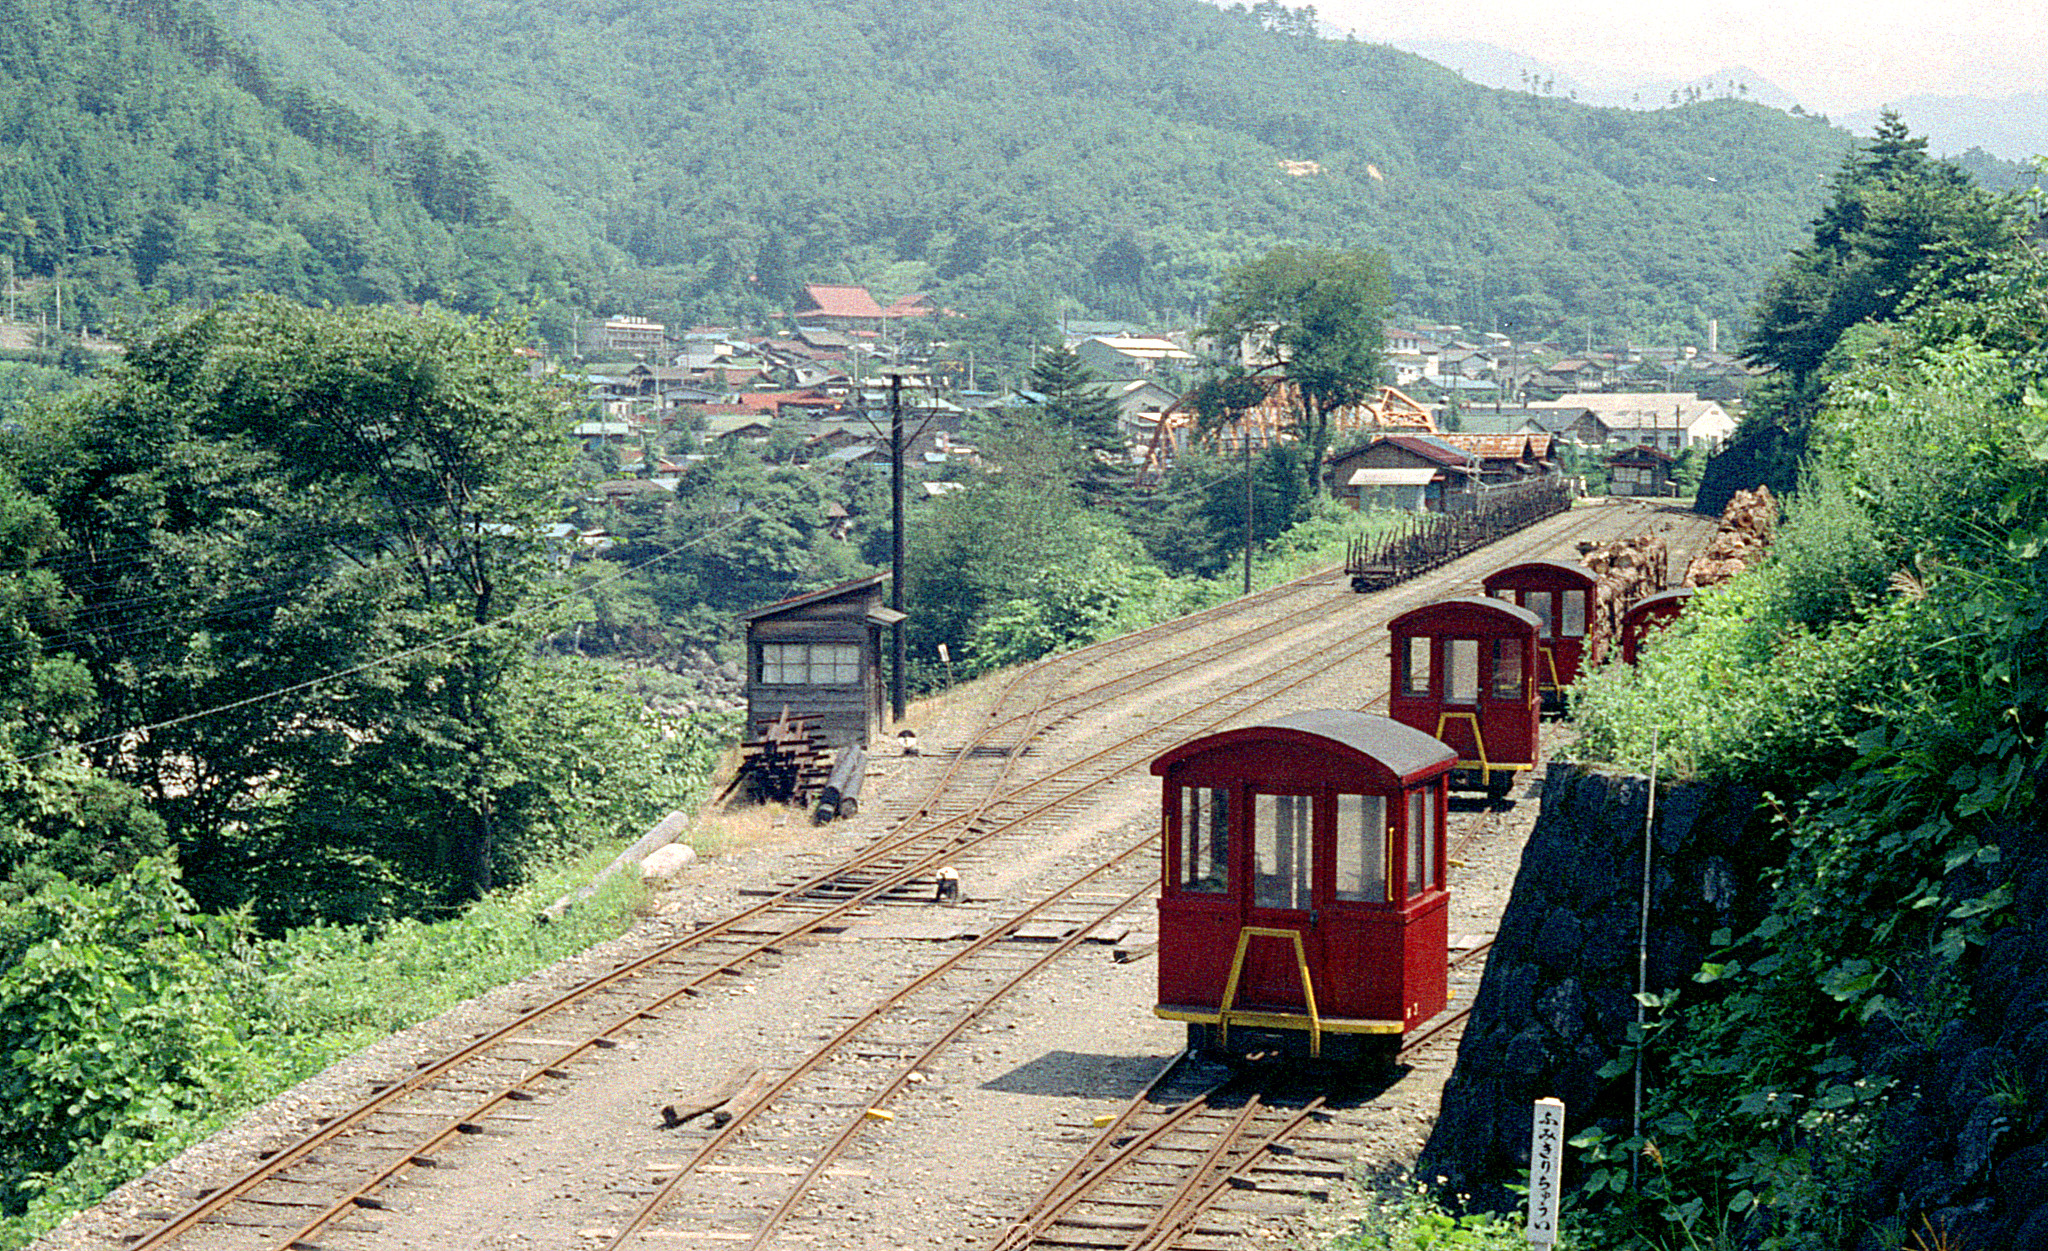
column 1546, row 1171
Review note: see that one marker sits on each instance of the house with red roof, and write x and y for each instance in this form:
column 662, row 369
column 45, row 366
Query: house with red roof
column 838, row 308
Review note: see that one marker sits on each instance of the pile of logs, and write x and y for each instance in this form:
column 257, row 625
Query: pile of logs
column 788, row 764
column 1747, row 525
column 1624, row 571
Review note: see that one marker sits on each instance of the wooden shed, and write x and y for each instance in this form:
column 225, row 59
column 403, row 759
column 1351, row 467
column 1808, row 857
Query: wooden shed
column 1422, row 472
column 819, row 656
column 1640, row 471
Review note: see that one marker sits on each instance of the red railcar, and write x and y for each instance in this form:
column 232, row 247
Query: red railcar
column 1465, row 673
column 1561, row 596
column 1302, row 891
column 1650, row 614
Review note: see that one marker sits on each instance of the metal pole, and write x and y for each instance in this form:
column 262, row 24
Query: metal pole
column 896, row 674
column 1245, row 438
column 1643, row 959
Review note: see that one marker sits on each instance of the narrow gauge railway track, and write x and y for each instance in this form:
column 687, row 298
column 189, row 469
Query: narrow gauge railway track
column 985, row 766
column 815, row 1112
column 337, row 1169
column 1162, row 1172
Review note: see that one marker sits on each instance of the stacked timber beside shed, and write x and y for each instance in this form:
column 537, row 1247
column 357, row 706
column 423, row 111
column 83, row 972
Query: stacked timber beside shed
column 818, row 658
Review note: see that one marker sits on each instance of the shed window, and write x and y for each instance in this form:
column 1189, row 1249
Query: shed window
column 809, row 664
column 1572, row 609
column 1362, row 848
column 1415, row 666
column 1281, row 827
column 1507, row 669
column 1461, row 679
column 1204, row 839
column 1538, row 602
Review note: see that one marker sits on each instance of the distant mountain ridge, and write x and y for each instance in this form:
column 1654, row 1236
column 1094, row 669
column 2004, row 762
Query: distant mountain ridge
column 1494, row 66
column 2014, row 128
column 1114, row 156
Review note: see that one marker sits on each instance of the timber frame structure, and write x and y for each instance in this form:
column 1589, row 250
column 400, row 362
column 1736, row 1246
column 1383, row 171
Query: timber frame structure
column 1272, row 421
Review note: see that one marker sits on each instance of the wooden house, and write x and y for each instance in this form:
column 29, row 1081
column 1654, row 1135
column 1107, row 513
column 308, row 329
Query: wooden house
column 1640, row 471
column 1409, row 472
column 819, row 656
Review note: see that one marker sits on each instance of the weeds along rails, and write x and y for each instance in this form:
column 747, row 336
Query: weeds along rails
column 510, row 1072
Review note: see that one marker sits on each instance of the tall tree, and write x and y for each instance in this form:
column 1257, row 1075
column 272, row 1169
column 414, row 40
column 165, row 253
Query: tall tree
column 1072, row 399
column 1312, row 317
column 299, row 537
column 1899, row 229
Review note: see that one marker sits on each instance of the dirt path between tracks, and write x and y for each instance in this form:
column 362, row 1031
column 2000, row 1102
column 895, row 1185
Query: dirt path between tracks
column 969, row 1148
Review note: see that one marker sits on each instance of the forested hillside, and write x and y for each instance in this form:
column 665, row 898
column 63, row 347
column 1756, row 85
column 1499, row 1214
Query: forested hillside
column 145, row 159
column 1119, row 153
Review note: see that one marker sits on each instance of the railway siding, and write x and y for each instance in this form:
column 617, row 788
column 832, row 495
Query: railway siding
column 977, row 1133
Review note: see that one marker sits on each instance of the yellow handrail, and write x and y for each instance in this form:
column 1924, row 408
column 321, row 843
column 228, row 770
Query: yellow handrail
column 1478, row 738
column 1308, row 990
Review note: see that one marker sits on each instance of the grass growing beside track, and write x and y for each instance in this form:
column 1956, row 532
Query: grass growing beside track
column 287, row 1008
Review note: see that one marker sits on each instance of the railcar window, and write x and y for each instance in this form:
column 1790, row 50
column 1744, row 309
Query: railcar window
column 1423, row 869
column 1362, row 848
column 1461, row 676
column 1415, row 666
column 1538, row 602
column 1572, row 608
column 1204, row 839
column 1507, row 669
column 1281, row 825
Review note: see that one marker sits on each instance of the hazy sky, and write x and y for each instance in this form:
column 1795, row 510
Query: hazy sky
column 1834, row 56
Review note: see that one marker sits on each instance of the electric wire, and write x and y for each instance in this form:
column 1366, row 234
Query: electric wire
column 516, row 615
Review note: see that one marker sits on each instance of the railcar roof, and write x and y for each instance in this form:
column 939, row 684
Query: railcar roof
column 1563, row 568
column 1478, row 604
column 1402, row 750
column 1675, row 595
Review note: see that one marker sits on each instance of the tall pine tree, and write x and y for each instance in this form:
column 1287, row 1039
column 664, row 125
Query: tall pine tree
column 1902, row 227
column 1073, row 399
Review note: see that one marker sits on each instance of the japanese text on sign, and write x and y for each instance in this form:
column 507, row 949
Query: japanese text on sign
column 1546, row 1171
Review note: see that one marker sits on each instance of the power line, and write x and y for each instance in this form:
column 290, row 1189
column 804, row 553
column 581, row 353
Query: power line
column 366, row 666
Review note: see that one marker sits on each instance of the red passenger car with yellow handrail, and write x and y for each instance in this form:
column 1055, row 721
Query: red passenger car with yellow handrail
column 1464, row 672
column 1302, row 904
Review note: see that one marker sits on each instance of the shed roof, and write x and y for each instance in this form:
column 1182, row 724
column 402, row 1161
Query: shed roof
column 1432, row 448
column 854, row 587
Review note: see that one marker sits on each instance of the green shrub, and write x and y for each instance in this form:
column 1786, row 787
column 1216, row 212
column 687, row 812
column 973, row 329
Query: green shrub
column 1409, row 1218
column 121, row 1023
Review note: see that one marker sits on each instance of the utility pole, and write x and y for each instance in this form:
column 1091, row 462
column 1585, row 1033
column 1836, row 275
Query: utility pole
column 1244, row 432
column 896, row 675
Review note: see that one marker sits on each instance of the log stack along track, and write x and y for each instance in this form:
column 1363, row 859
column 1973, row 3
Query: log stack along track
column 1041, row 810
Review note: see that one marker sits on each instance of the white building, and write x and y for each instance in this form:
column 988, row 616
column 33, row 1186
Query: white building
column 1667, row 420
column 1121, row 356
